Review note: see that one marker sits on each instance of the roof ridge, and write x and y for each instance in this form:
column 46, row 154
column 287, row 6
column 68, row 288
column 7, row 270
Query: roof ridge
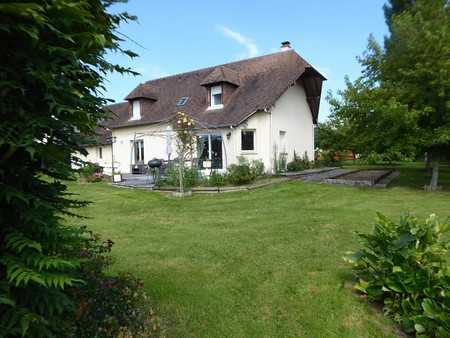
column 228, row 63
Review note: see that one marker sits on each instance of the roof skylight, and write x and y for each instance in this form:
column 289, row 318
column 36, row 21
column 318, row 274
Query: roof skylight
column 182, row 101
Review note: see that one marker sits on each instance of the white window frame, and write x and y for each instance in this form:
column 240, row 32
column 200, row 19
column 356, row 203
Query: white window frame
column 254, row 141
column 138, row 151
column 215, row 91
column 282, row 141
column 136, row 110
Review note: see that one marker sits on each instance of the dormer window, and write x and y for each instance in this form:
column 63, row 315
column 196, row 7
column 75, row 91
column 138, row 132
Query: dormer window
column 220, row 85
column 136, row 110
column 216, row 97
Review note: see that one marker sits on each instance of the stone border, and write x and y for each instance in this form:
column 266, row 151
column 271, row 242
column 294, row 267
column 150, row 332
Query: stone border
column 218, row 190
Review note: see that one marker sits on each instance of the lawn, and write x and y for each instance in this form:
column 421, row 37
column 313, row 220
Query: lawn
column 260, row 263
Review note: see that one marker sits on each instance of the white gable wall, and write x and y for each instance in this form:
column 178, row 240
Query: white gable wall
column 288, row 126
column 292, row 116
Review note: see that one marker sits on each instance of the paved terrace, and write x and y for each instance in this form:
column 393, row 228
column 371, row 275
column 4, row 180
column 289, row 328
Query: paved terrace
column 322, row 175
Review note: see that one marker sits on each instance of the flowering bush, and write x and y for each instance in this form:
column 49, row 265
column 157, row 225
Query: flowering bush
column 185, row 132
column 91, row 172
column 109, row 306
column 97, row 176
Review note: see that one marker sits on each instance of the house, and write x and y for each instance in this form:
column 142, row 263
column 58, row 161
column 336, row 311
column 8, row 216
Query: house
column 259, row 108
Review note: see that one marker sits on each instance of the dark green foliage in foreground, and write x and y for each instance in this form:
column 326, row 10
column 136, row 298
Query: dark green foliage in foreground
column 109, row 306
column 51, row 72
column 405, row 266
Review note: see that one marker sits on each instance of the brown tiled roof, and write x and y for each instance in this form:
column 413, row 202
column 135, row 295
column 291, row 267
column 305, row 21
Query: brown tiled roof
column 261, row 81
column 144, row 90
column 221, row 74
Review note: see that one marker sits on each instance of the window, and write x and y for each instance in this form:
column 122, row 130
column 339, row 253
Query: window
column 136, row 110
column 248, row 140
column 216, row 97
column 282, row 141
column 100, row 153
column 182, row 101
column 210, row 148
column 139, row 151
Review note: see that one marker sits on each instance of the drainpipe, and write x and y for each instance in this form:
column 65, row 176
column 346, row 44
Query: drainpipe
column 270, row 132
column 313, row 145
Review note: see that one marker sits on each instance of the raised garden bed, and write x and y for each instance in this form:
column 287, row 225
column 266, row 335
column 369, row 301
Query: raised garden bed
column 363, row 177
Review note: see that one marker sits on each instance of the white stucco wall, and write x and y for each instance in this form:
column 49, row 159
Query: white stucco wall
column 94, row 156
column 259, row 123
column 292, row 115
column 154, row 137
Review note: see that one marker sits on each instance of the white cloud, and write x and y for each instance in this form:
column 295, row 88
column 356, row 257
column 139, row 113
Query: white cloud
column 252, row 49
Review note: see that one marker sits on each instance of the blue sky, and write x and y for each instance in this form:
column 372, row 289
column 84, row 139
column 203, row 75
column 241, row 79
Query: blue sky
column 176, row 36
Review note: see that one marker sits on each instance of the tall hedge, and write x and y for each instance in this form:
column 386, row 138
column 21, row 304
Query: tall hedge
column 52, row 70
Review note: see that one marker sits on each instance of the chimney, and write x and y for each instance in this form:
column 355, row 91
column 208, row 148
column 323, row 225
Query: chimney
column 285, row 46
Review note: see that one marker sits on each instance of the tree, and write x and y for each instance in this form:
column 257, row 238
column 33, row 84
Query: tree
column 402, row 100
column 416, row 70
column 396, row 7
column 185, row 141
column 368, row 122
column 52, row 69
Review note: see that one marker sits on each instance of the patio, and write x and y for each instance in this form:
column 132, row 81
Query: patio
column 328, row 175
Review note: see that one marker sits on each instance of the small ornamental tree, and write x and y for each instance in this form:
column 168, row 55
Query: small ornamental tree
column 185, row 141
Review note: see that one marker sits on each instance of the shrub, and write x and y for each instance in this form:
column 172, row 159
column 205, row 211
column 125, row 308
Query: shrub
column 371, row 158
column 244, row 172
column 279, row 160
column 329, row 158
column 190, row 176
column 259, row 168
column 240, row 174
column 300, row 163
column 215, row 180
column 404, row 265
column 91, row 172
column 109, row 306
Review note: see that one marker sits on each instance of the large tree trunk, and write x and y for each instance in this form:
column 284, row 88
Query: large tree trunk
column 428, row 164
column 435, row 172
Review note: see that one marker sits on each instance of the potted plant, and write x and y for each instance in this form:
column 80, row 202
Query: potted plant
column 207, row 163
column 117, row 176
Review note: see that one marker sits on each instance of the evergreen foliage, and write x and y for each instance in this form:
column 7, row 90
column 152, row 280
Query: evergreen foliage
column 51, row 77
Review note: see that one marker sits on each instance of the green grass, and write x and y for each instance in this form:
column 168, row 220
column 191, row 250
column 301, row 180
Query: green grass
column 261, row 263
